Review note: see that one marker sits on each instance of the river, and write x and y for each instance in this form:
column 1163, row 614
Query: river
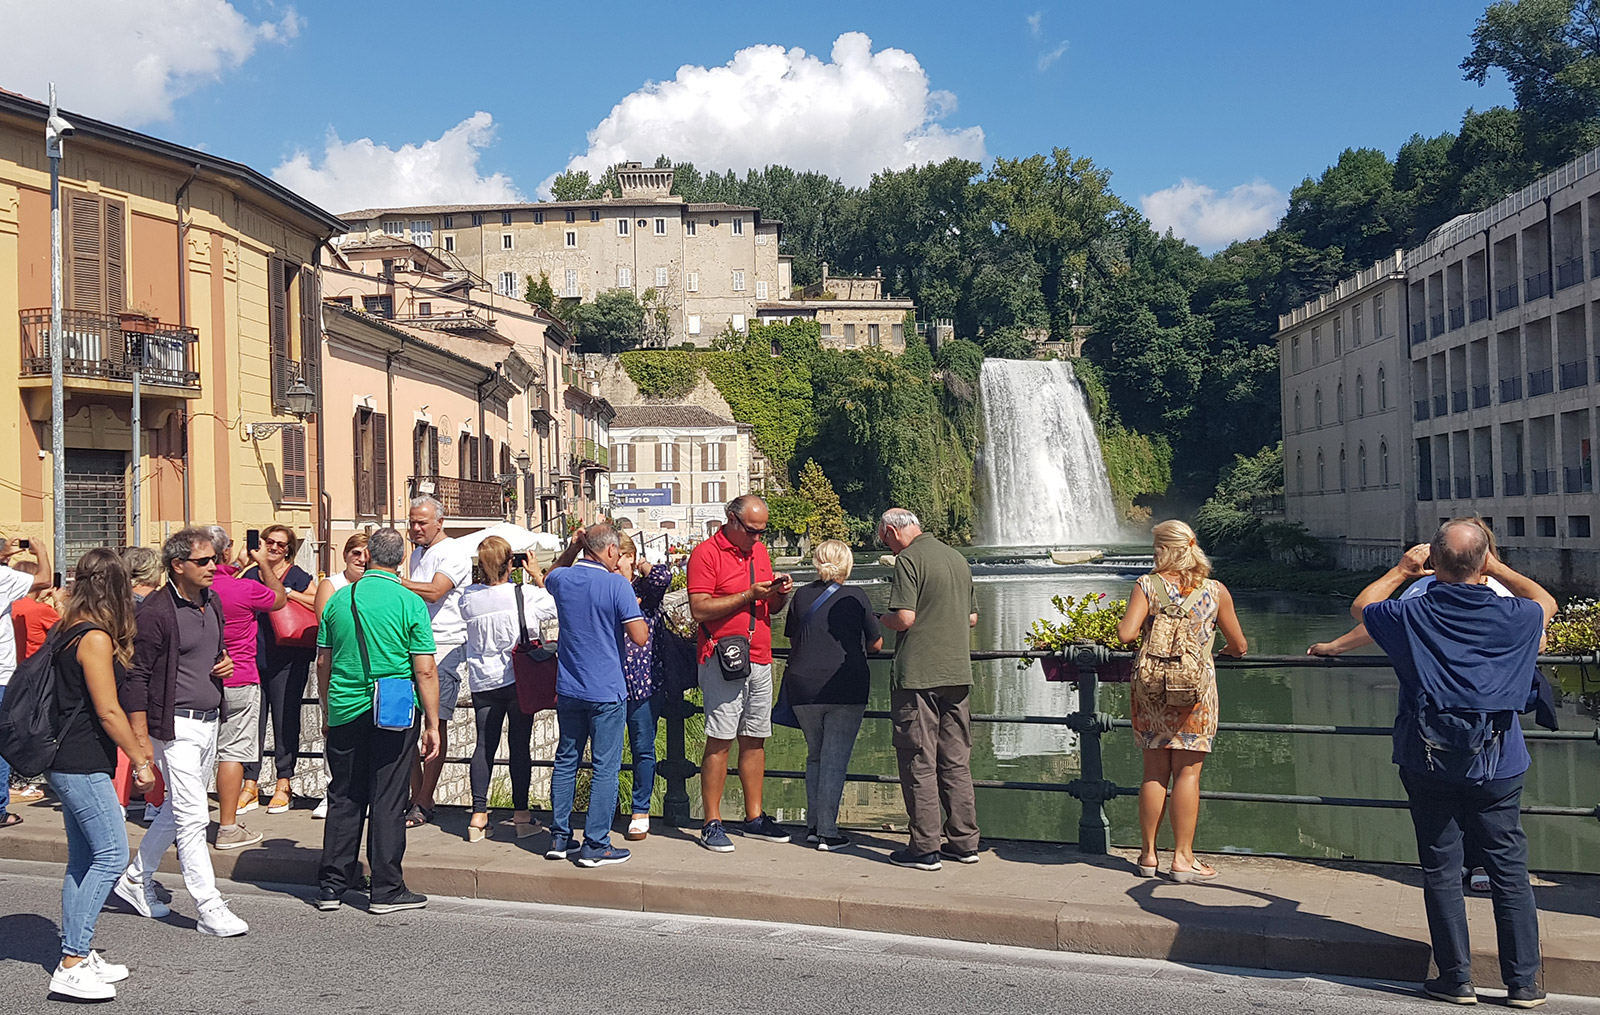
column 1012, row 594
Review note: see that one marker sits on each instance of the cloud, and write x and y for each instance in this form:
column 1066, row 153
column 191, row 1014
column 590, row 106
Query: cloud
column 1209, row 220
column 850, row 117
column 128, row 62
column 365, row 174
column 1035, row 21
column 1046, row 59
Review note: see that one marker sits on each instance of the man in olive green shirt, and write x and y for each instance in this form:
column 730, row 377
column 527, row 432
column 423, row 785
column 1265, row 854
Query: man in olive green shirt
column 932, row 606
column 369, row 765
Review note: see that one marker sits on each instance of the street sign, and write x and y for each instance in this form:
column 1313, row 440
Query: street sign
column 641, row 498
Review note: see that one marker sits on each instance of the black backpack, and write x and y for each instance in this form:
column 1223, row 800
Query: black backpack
column 28, row 729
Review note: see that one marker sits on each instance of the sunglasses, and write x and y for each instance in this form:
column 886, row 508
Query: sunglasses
column 200, row 561
column 754, row 532
column 275, row 542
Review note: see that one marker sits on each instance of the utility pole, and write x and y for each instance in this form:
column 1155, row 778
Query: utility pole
column 55, row 130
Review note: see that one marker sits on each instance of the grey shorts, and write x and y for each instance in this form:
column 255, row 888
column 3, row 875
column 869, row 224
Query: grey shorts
column 239, row 732
column 737, row 708
column 450, row 664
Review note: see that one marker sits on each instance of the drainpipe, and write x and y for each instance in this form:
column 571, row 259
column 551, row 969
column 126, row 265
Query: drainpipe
column 183, row 321
column 388, row 412
column 324, row 501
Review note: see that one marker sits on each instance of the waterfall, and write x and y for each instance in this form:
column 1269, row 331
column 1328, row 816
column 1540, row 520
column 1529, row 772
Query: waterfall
column 1041, row 480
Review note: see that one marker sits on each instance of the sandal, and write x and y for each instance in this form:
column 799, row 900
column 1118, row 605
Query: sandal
column 1194, row 875
column 416, row 817
column 1478, row 881
column 27, row 793
column 11, row 819
column 278, row 805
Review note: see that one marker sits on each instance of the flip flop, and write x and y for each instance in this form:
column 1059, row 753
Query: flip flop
column 11, row 820
column 416, row 817
column 1193, row 877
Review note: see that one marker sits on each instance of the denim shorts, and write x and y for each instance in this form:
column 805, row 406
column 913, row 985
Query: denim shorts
column 450, row 661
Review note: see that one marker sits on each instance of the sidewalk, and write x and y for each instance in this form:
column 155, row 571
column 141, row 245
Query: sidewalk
column 1349, row 919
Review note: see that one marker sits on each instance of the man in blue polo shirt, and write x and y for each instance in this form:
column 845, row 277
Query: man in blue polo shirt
column 1463, row 656
column 595, row 606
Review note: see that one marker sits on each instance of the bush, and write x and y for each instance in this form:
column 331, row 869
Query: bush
column 662, row 373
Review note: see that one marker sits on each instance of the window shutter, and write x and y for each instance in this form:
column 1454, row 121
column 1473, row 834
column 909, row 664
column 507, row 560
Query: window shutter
column 278, row 318
column 658, row 458
column 116, row 257
column 380, row 464
column 84, row 259
column 418, row 459
column 363, row 462
column 294, row 464
column 310, row 351
column 464, row 457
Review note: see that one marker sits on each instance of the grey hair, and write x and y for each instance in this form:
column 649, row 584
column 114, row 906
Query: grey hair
column 433, row 502
column 738, row 506
column 386, row 548
column 219, row 539
column 144, row 565
column 600, row 537
column 899, row 518
column 179, row 545
column 1454, row 558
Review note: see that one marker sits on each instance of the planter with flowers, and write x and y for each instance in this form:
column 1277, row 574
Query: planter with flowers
column 1575, row 631
column 1086, row 620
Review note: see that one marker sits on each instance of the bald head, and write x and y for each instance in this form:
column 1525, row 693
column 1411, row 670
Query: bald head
column 1459, row 551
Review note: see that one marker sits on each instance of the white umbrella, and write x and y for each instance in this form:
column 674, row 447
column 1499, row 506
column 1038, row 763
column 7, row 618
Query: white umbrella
column 521, row 540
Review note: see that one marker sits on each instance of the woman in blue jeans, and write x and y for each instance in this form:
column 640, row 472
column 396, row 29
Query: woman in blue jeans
column 831, row 627
column 93, row 644
column 643, row 672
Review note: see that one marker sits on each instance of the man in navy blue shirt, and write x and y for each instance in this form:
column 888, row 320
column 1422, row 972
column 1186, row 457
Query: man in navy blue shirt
column 595, row 607
column 1463, row 656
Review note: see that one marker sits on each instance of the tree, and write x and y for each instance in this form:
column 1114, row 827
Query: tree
column 1549, row 50
column 541, row 294
column 613, row 322
column 815, row 489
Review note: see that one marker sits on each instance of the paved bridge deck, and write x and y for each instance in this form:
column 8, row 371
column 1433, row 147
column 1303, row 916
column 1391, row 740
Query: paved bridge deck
column 1340, row 918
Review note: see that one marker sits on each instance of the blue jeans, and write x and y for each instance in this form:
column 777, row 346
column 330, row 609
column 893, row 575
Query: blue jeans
column 600, row 725
column 5, row 775
column 642, row 740
column 1449, row 817
column 97, row 852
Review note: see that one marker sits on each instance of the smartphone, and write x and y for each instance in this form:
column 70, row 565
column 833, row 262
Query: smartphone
column 519, row 560
column 252, row 539
column 59, row 584
column 26, row 544
column 781, row 580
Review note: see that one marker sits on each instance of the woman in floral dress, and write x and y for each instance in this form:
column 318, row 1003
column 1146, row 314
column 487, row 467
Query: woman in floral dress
column 642, row 670
column 1176, row 738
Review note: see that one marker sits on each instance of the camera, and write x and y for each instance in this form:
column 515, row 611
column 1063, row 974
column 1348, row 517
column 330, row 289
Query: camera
column 519, row 560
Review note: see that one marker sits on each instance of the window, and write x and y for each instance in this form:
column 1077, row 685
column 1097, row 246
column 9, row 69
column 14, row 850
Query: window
column 1316, row 346
column 425, row 449
column 1294, row 353
column 621, row 459
column 449, row 221
column 422, row 232
column 666, row 458
column 94, row 259
column 1377, row 317
column 1316, row 410
column 738, row 323
column 571, row 287
column 1298, row 425
column 849, row 336
column 661, row 278
column 477, row 218
column 713, row 493
column 1545, row 525
column 738, row 227
column 738, row 280
column 505, row 241
column 1338, row 337
column 761, row 290
column 1383, row 391
column 713, row 457
column 1516, row 525
column 661, row 227
column 372, row 463
column 572, row 216
column 1355, row 325
column 1338, row 403
column 1577, row 526
column 622, row 227
column 1299, row 474
column 1341, row 469
column 572, row 238
column 508, row 284
column 688, row 228
column 872, row 334
column 294, row 464
column 394, row 227
column 424, row 309
column 1361, row 466
column 694, row 324
column 825, row 330
column 624, row 278
column 761, row 239
column 693, row 284
column 538, row 218
column 1383, row 462
column 505, row 218
column 1322, row 482
column 449, row 243
column 594, row 214
column 677, row 495
column 378, row 306
column 1361, row 396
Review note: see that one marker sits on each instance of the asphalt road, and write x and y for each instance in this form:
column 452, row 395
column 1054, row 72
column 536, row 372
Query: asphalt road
column 463, row 955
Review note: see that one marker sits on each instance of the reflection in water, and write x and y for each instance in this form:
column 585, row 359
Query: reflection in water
column 1010, row 598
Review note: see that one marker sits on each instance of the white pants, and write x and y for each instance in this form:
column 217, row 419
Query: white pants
column 186, row 763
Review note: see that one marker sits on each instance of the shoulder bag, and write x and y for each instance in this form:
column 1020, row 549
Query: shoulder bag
column 293, row 626
column 394, row 699
column 782, row 711
column 732, row 651
column 533, row 664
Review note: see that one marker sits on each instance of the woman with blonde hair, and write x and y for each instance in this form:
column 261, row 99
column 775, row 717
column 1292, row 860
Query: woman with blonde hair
column 144, row 570
column 1176, row 738
column 831, row 627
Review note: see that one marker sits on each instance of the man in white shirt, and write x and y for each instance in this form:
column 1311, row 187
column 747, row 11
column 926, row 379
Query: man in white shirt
column 438, row 571
column 15, row 585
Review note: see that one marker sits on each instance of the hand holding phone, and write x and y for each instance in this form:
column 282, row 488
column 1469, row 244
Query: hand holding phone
column 26, row 544
column 252, row 539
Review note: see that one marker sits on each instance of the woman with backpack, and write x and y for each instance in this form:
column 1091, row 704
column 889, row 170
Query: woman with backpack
column 90, row 652
column 1175, row 611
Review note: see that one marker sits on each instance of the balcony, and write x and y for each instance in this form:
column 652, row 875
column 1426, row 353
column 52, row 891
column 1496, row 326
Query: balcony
column 1443, row 487
column 462, row 498
column 1513, row 484
column 539, row 404
column 1510, row 389
column 1419, row 332
column 1422, row 409
column 1569, row 273
column 1441, row 405
column 1486, row 486
column 1537, row 285
column 1480, row 396
column 1579, row 480
column 1544, row 481
column 1478, row 308
column 1540, row 382
column 588, row 454
column 1458, row 317
column 1458, row 400
column 1505, row 299
column 1574, row 374
column 96, row 348
column 1436, row 325
column 1463, row 488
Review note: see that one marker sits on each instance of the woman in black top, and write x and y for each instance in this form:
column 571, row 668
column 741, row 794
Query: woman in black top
column 831, row 627
column 92, row 645
column 283, row 670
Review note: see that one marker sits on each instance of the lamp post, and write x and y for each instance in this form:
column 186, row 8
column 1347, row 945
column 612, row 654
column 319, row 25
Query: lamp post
column 299, row 400
column 521, row 459
column 55, row 130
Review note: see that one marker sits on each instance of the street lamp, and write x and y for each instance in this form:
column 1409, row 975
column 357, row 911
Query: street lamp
column 299, row 400
column 55, row 131
column 522, row 461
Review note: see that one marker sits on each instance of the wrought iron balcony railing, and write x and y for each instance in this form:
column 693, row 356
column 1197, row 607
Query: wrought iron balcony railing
column 100, row 346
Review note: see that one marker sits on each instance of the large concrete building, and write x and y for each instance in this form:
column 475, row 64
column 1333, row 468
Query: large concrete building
column 1500, row 367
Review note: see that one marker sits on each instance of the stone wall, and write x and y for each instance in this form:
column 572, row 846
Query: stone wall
column 618, row 388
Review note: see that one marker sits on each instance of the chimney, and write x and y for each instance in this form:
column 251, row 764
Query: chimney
column 824, row 271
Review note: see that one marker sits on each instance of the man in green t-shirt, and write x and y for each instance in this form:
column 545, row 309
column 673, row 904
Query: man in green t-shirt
column 370, row 765
column 932, row 606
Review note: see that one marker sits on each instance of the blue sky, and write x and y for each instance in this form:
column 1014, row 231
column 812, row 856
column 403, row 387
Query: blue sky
column 1241, row 100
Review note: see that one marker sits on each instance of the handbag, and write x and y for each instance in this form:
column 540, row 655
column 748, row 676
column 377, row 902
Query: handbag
column 782, row 711
column 533, row 664
column 394, row 699
column 732, row 651
column 293, row 626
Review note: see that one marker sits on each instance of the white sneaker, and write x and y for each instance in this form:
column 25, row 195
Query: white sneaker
column 109, row 972
column 322, row 809
column 219, row 921
column 80, row 982
column 141, row 897
column 151, row 812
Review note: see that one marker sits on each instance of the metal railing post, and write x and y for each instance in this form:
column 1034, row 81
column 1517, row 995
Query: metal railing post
column 676, row 767
column 1092, row 789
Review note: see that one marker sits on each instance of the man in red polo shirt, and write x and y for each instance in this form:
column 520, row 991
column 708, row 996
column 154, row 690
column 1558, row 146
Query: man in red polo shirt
column 733, row 594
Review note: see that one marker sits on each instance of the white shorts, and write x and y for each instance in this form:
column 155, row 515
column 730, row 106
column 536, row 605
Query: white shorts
column 737, row 708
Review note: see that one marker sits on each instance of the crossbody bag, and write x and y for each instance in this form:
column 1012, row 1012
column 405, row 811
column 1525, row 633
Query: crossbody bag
column 394, row 699
column 732, row 651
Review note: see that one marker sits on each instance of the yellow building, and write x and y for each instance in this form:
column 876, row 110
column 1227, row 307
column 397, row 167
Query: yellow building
column 210, row 269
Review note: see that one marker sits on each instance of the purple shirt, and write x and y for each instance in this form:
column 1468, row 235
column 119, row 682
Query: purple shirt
column 241, row 599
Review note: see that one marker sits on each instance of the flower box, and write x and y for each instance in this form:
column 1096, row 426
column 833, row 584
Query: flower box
column 1059, row 669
